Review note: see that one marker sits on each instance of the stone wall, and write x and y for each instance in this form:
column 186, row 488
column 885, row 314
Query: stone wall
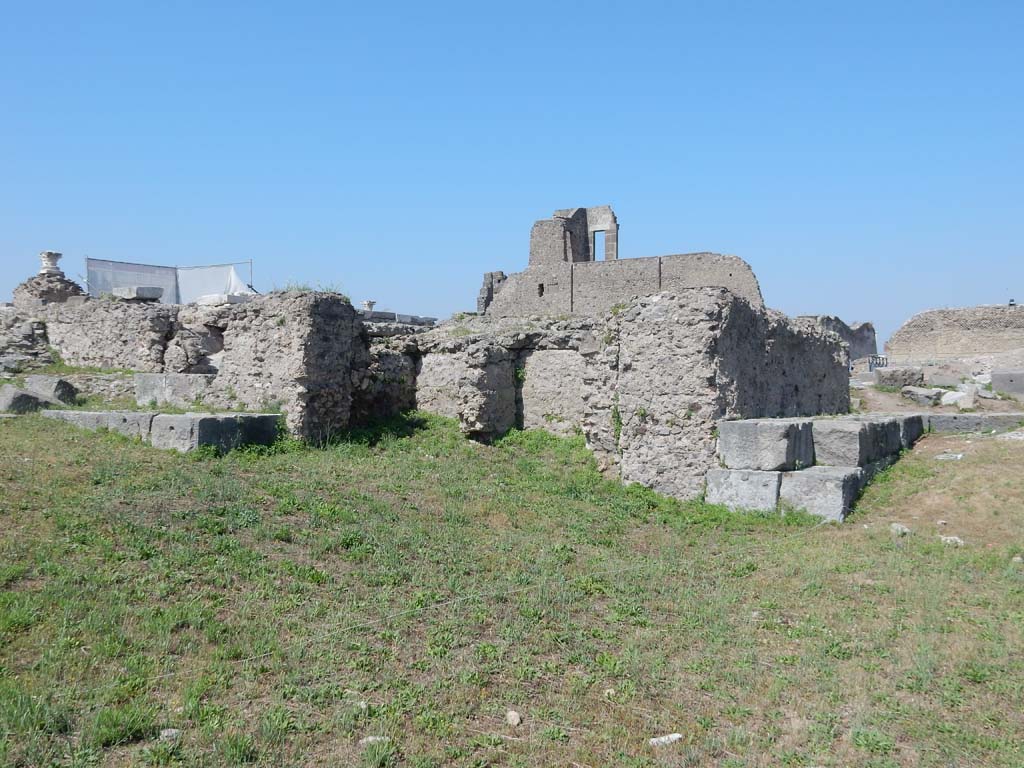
column 23, row 342
column 110, row 334
column 859, row 337
column 594, row 287
column 645, row 384
column 943, row 334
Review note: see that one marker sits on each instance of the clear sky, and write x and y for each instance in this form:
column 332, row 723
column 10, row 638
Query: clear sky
column 866, row 158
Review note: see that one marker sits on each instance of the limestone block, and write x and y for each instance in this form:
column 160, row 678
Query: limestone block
column 952, row 398
column 138, row 292
column 923, row 396
column 14, row 400
column 827, row 492
column 180, row 390
column 911, row 429
column 855, row 442
column 214, row 299
column 127, row 423
column 975, row 422
column 899, row 377
column 766, row 444
column 52, row 387
column 1010, row 382
column 188, row 431
column 743, row 489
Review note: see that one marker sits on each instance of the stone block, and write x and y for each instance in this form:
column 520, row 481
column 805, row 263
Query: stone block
column 215, row 299
column 911, row 429
column 899, row 377
column 180, row 390
column 975, row 422
column 922, row 395
column 14, row 400
column 766, row 444
column 52, row 387
column 828, row 492
column 743, row 489
column 138, row 292
column 854, row 442
column 128, row 423
column 1010, row 382
column 188, row 431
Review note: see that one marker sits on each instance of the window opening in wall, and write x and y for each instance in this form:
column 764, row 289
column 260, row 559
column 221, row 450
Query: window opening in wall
column 598, row 246
column 540, row 289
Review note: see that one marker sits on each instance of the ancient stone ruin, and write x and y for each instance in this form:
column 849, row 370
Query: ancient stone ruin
column 564, row 276
column 643, row 357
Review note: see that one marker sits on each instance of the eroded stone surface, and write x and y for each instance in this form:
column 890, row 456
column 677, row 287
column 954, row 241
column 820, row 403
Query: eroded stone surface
column 827, row 492
column 743, row 489
column 766, row 444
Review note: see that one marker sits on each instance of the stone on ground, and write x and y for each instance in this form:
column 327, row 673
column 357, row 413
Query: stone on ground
column 828, row 492
column 899, row 377
column 14, row 400
column 188, row 431
column 743, row 489
column 52, row 387
column 923, row 396
column 854, row 442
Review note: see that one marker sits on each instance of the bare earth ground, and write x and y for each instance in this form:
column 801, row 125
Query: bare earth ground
column 881, row 401
column 279, row 607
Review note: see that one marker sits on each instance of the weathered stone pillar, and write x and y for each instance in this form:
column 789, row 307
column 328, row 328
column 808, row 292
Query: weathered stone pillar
column 49, row 261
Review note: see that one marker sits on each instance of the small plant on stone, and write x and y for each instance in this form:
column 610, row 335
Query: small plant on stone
column 520, row 374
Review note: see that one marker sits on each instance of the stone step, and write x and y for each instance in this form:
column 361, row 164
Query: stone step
column 766, row 444
column 181, row 432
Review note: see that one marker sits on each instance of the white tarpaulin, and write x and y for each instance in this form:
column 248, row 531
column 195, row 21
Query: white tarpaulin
column 182, row 285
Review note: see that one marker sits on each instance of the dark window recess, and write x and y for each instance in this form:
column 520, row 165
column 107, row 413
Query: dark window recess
column 540, row 289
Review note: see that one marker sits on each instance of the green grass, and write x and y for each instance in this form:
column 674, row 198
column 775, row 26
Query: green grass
column 278, row 605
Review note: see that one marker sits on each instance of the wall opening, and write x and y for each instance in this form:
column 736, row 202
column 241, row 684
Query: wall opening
column 540, row 289
column 598, row 246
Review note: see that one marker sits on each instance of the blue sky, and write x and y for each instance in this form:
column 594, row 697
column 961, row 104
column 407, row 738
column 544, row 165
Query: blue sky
column 866, row 158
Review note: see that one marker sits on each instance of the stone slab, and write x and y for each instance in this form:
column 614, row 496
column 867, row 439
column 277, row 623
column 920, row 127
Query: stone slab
column 974, row 422
column 214, row 299
column 855, row 441
column 127, row 423
column 52, row 387
column 743, row 489
column 1010, row 382
column 828, row 492
column 177, row 389
column 188, row 431
column 912, row 427
column 923, row 395
column 15, row 400
column 766, row 444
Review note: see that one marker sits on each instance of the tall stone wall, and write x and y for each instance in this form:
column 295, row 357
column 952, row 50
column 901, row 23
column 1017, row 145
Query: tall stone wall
column 944, row 334
column 591, row 288
column 645, row 384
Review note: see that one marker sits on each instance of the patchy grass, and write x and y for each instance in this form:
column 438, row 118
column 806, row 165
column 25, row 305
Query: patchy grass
column 277, row 606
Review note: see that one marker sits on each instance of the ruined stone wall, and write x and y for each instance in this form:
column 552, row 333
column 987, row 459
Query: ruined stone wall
column 110, row 334
column 645, row 384
column 594, row 287
column 23, row 342
column 943, row 334
column 859, row 337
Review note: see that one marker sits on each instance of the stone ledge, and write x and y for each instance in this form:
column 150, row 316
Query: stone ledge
column 766, row 444
column 181, row 432
column 743, row 489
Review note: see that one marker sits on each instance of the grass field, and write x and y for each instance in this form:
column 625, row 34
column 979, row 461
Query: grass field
column 279, row 607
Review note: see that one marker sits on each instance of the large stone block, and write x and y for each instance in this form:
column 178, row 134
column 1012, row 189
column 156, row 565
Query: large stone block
column 14, row 400
column 766, row 444
column 974, row 422
column 138, row 292
column 899, row 377
column 180, row 390
column 52, row 387
column 911, row 428
column 1010, row 382
column 854, row 442
column 743, row 489
column 188, row 431
column 827, row 492
column 922, row 395
column 127, row 423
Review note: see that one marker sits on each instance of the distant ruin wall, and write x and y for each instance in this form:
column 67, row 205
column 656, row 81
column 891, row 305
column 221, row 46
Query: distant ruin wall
column 859, row 337
column 943, row 334
column 594, row 287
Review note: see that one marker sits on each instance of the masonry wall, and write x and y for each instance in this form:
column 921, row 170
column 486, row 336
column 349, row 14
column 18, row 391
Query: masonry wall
column 594, row 287
column 943, row 334
column 110, row 334
column 646, row 384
